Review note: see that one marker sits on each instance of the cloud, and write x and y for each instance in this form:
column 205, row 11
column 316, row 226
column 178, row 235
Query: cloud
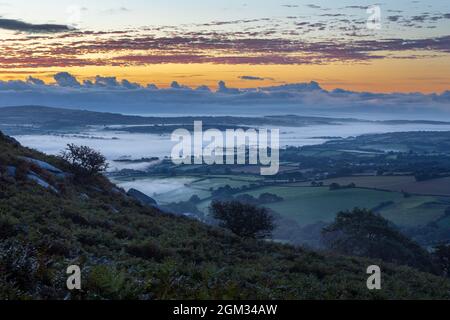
column 224, row 89
column 175, row 85
column 110, row 94
column 356, row 7
column 394, row 18
column 242, row 21
column 35, row 81
column 65, row 79
column 17, row 25
column 419, row 20
column 128, row 48
column 254, row 78
column 275, row 40
column 116, row 10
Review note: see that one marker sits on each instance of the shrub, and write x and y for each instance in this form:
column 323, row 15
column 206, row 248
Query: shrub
column 108, row 283
column 19, row 263
column 147, row 250
column 245, row 220
column 8, row 226
column 195, row 199
column 85, row 160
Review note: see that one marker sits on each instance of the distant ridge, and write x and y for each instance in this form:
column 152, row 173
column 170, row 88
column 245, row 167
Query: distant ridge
column 55, row 118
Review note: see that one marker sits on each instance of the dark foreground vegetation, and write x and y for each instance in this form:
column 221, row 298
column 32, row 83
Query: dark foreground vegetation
column 51, row 218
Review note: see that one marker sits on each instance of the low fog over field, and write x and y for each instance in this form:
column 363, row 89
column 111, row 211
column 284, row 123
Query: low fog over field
column 121, row 144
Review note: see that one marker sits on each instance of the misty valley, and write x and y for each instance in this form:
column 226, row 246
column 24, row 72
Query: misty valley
column 397, row 168
column 101, row 193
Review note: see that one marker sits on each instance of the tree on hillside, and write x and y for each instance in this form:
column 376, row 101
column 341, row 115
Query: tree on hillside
column 85, row 160
column 245, row 220
column 363, row 233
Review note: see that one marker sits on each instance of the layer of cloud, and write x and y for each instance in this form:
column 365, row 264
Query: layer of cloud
column 325, row 36
column 146, row 50
column 108, row 93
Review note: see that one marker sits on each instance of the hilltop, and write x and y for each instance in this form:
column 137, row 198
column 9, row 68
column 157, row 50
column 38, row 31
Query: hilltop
column 129, row 250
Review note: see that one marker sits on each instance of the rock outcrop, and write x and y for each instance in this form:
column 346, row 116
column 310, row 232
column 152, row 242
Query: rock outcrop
column 46, row 166
column 142, row 198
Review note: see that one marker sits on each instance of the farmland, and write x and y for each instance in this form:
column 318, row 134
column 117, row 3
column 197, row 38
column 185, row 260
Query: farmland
column 176, row 189
column 440, row 186
column 309, row 205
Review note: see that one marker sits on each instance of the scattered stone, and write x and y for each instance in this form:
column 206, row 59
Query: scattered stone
column 41, row 182
column 31, row 176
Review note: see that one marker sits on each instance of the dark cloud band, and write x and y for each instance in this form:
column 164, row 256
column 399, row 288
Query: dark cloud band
column 16, row 25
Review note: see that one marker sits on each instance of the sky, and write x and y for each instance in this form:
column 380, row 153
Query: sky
column 247, row 44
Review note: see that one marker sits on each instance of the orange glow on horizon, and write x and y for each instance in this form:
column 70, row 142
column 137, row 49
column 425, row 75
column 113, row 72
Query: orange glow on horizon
column 431, row 75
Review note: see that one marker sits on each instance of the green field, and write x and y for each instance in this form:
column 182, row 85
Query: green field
column 215, row 182
column 439, row 187
column 308, row 205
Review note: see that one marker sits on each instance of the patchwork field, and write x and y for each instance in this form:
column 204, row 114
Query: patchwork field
column 439, row 187
column 308, row 205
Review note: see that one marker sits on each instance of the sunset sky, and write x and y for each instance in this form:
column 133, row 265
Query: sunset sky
column 246, row 43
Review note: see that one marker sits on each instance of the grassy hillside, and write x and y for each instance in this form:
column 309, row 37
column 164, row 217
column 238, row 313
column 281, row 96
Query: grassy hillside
column 128, row 251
